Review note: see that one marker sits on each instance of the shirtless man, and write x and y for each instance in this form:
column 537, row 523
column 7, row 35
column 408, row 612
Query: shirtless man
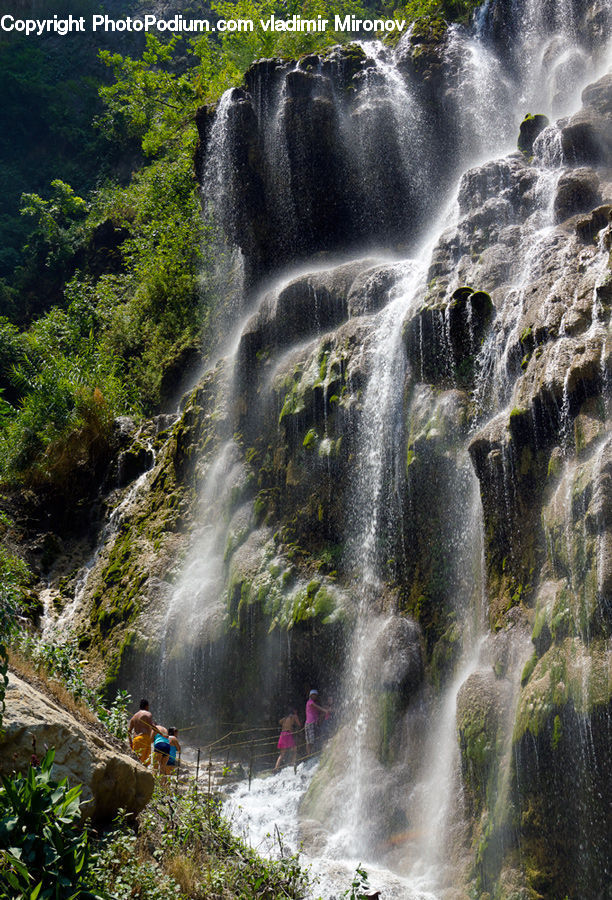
column 143, row 726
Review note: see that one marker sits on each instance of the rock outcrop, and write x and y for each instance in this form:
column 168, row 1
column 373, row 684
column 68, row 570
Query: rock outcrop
column 111, row 780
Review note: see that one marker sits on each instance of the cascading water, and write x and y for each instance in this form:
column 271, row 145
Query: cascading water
column 367, row 464
column 494, row 389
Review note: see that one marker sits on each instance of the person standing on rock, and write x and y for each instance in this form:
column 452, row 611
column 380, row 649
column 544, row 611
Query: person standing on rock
column 313, row 713
column 143, row 726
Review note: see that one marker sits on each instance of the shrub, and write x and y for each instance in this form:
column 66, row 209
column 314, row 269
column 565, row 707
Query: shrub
column 60, row 658
column 43, row 851
column 14, row 576
column 185, row 848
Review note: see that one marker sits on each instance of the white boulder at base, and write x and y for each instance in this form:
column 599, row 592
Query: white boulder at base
column 111, row 780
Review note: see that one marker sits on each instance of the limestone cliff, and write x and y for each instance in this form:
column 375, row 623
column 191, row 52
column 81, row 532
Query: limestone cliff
column 462, row 507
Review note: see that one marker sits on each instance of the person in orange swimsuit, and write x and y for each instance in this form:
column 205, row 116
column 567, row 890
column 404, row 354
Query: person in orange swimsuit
column 142, row 726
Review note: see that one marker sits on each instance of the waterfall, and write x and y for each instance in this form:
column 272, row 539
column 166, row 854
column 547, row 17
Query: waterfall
column 401, row 465
column 488, row 109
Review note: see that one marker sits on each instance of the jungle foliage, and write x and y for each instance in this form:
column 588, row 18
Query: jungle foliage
column 110, row 289
column 44, row 852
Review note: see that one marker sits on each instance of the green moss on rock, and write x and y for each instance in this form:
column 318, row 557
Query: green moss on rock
column 568, row 672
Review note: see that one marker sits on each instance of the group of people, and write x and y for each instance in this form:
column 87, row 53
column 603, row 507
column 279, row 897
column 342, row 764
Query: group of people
column 316, row 718
column 145, row 735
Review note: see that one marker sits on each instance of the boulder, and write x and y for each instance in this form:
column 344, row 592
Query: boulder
column 587, row 136
column 399, row 648
column 424, row 44
column 589, row 226
column 480, row 705
column 111, row 780
column 530, row 128
column 577, row 191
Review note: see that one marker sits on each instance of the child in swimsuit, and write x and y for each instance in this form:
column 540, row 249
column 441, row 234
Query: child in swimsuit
column 286, row 741
column 161, row 750
column 175, row 748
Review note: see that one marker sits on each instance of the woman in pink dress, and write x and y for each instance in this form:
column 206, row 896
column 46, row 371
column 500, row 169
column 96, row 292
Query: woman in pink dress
column 286, row 741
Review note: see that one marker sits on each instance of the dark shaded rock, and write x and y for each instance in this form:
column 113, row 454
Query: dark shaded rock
column 311, row 130
column 179, row 369
column 587, row 137
column 577, row 191
column 443, row 340
column 564, row 803
column 399, row 648
column 530, row 128
column 292, row 187
column 302, row 84
column 133, row 462
column 263, row 79
column 341, row 63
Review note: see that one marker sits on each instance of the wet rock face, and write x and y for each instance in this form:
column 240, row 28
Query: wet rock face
column 400, row 649
column 561, row 801
column 587, row 137
column 590, row 18
column 545, row 325
column 577, row 191
column 310, row 305
column 444, row 339
column 316, row 158
column 480, row 706
column 531, row 127
column 288, row 193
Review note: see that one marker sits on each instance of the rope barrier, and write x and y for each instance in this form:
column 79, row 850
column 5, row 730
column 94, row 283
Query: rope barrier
column 254, row 728
column 240, row 730
column 224, row 746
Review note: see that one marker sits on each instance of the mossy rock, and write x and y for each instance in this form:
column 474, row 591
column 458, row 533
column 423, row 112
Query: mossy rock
column 529, row 129
column 480, row 705
column 567, row 672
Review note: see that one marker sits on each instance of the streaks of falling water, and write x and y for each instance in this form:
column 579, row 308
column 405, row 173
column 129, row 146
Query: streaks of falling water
column 374, row 505
column 224, row 271
column 105, row 542
column 373, row 510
